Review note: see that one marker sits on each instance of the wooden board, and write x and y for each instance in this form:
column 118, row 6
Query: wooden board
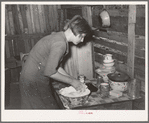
column 27, row 45
column 119, row 18
column 36, row 19
column 16, row 47
column 7, row 51
column 32, row 19
column 56, row 17
column 139, row 63
column 121, row 38
column 29, row 20
column 23, row 14
column 50, row 17
column 41, row 18
column 95, row 100
column 11, row 23
column 7, row 26
column 46, row 11
column 70, row 62
column 80, row 60
column 85, row 60
column 16, row 19
column 10, row 47
column 61, row 19
column 120, row 46
column 20, row 19
column 21, row 45
column 131, row 40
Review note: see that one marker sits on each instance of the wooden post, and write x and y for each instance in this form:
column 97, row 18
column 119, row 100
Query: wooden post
column 81, row 60
column 85, row 53
column 131, row 40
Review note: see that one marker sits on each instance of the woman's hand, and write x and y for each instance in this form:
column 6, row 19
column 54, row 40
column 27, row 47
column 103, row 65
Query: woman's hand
column 79, row 86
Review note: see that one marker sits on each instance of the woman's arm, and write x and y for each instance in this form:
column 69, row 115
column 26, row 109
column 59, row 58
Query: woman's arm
column 62, row 71
column 68, row 80
column 56, row 53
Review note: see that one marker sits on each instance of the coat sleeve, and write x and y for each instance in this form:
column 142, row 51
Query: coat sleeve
column 56, row 53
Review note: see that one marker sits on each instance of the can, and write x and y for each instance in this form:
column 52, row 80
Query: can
column 104, row 89
column 81, row 78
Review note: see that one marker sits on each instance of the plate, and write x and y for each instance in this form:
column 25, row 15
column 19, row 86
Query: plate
column 108, row 64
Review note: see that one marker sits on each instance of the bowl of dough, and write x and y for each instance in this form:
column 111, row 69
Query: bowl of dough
column 72, row 97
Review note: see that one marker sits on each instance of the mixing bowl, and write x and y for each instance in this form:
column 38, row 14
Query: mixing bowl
column 118, row 81
column 118, row 86
column 108, row 64
column 71, row 99
column 75, row 100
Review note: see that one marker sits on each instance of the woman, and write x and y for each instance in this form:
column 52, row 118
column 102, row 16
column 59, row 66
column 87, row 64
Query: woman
column 44, row 61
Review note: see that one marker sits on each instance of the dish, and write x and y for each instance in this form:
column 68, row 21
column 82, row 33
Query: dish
column 108, row 64
column 72, row 97
column 118, row 81
column 118, row 86
column 108, row 61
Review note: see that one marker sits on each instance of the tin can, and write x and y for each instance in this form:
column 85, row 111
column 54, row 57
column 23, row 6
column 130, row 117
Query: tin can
column 104, row 89
column 81, row 78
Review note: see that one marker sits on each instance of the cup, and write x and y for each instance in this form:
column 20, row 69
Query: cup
column 99, row 81
column 134, row 88
column 108, row 57
column 104, row 89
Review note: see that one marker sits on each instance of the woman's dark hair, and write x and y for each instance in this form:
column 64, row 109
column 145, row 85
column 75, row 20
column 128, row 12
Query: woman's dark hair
column 79, row 25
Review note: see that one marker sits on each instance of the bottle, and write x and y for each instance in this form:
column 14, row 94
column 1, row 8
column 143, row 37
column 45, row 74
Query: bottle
column 99, row 81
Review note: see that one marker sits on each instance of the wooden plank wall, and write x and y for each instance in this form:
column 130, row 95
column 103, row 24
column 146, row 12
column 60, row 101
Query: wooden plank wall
column 80, row 62
column 119, row 18
column 114, row 40
column 20, row 43
column 14, row 45
column 131, row 40
column 31, row 19
column 26, row 24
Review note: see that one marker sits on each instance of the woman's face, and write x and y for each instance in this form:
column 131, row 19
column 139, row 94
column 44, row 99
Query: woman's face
column 78, row 39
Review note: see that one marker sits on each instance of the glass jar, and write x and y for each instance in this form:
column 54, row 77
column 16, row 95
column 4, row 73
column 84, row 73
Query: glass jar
column 81, row 78
column 99, row 80
column 134, row 89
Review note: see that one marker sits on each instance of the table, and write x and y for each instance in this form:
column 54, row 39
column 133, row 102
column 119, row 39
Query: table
column 94, row 101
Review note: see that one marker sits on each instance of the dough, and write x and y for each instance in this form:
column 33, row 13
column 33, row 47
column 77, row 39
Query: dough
column 71, row 92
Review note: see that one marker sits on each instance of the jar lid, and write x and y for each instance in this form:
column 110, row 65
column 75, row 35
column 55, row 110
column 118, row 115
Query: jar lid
column 118, row 77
